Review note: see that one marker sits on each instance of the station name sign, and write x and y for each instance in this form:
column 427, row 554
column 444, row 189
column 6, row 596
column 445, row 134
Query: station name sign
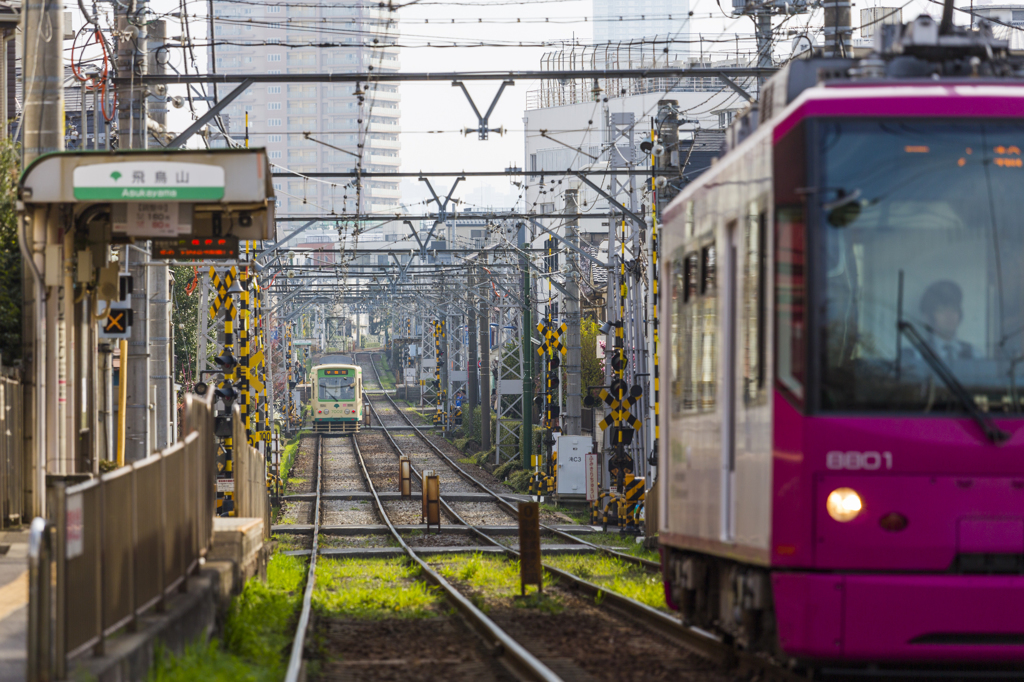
column 148, row 181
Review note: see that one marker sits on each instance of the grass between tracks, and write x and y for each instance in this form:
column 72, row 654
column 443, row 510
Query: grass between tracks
column 257, row 633
column 494, row 580
column 626, row 544
column 291, row 451
column 372, row 589
column 387, row 379
column 615, row 575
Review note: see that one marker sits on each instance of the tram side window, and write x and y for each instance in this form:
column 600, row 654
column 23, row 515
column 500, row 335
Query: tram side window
column 694, row 326
column 790, row 300
column 754, row 305
column 678, row 337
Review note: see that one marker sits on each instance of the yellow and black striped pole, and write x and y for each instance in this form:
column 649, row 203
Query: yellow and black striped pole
column 244, row 354
column 655, row 323
column 620, row 335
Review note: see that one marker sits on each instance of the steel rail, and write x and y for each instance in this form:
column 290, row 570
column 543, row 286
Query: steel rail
column 299, row 643
column 515, row 656
column 647, row 564
column 699, row 641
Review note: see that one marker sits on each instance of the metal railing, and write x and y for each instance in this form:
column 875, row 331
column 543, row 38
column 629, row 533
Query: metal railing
column 12, row 448
column 123, row 542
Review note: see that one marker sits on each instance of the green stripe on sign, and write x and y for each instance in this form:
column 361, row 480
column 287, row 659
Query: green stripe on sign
column 149, row 193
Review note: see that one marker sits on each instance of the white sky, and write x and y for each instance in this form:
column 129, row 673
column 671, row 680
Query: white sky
column 438, row 106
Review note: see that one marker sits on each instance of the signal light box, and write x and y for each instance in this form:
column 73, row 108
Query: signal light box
column 117, row 324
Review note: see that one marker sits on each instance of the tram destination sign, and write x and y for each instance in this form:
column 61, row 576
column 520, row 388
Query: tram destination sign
column 132, row 180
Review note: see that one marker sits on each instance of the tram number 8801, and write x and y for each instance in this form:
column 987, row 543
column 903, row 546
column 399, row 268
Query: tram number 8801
column 858, row 461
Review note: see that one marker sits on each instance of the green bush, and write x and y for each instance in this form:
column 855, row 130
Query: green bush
column 471, row 423
column 519, row 480
column 506, row 469
column 257, row 633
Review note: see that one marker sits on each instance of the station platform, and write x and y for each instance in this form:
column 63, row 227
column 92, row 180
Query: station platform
column 13, row 604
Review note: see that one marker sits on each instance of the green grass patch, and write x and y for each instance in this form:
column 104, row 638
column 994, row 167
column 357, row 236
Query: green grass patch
column 494, row 577
column 626, row 544
column 387, row 378
column 289, row 543
column 614, row 575
column 291, row 450
column 372, row 589
column 576, row 514
column 205, row 661
column 257, row 633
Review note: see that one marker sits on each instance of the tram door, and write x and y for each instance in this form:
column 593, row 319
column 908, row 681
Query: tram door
column 729, row 296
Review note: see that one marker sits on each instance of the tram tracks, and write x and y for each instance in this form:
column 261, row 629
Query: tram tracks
column 520, row 663
column 703, row 643
column 440, row 462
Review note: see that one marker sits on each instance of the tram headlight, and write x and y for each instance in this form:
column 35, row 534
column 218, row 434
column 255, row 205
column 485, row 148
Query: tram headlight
column 844, row 504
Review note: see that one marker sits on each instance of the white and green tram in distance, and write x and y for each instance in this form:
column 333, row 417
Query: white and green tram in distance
column 337, row 398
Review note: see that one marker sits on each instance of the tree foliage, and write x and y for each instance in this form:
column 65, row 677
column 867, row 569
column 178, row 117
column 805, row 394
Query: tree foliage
column 10, row 255
column 592, row 367
column 185, row 318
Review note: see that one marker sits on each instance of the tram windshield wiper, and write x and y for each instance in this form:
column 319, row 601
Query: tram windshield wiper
column 992, row 432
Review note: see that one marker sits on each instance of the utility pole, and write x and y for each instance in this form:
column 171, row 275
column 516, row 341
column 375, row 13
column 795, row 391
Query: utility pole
column 132, row 134
column 526, row 433
column 485, row 368
column 159, row 280
column 837, row 28
column 43, row 126
column 573, row 369
column 473, row 385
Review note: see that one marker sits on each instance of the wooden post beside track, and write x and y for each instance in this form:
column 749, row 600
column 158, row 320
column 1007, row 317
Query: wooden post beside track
column 405, row 476
column 530, row 570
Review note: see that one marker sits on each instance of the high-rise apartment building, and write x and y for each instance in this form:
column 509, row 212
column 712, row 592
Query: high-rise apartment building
column 620, row 21
column 361, row 119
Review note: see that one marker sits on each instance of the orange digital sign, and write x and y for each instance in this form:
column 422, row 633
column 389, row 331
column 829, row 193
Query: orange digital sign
column 196, row 248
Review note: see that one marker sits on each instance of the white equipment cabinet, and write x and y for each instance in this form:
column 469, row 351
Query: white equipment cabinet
column 572, row 471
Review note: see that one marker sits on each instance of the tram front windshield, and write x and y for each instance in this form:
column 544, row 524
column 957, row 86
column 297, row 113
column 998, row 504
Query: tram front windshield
column 922, row 266
column 337, row 388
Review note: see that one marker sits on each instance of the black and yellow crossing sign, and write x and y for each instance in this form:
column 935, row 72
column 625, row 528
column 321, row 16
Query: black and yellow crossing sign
column 551, row 338
column 222, row 299
column 621, row 410
column 117, row 324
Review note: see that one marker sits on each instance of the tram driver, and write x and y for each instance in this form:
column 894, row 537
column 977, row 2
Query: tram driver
column 942, row 307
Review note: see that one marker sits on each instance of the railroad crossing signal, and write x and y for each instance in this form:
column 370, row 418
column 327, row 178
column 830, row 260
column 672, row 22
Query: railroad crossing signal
column 223, row 297
column 621, row 409
column 551, row 338
column 117, row 324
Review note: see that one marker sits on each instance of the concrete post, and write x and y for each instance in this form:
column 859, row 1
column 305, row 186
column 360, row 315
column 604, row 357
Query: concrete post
column 160, row 352
column 43, row 126
column 573, row 369
column 473, row 385
column 138, row 398
column 132, row 66
column 485, row 369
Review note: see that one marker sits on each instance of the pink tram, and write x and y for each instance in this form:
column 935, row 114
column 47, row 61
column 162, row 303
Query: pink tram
column 842, row 467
